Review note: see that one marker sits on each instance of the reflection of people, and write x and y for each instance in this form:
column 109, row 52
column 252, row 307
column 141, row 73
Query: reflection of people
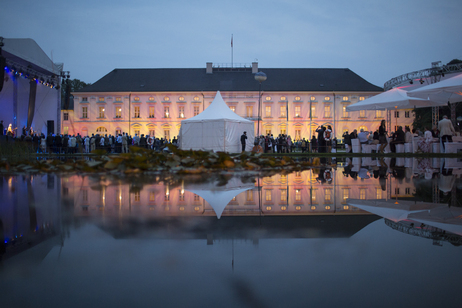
column 446, row 181
column 243, row 140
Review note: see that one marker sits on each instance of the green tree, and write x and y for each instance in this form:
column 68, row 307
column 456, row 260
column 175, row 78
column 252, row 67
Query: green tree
column 67, row 87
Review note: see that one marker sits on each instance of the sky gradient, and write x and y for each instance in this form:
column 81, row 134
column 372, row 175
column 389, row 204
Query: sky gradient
column 375, row 39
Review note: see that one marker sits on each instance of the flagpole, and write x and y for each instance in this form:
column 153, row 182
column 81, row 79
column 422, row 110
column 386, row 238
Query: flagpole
column 232, row 49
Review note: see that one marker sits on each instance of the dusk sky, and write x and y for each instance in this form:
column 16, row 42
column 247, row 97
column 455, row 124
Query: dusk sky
column 378, row 40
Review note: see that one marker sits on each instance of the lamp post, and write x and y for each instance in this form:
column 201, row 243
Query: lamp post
column 260, row 77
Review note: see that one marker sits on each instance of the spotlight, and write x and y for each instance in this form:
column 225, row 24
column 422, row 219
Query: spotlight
column 442, row 74
column 42, row 81
column 411, row 81
column 421, row 81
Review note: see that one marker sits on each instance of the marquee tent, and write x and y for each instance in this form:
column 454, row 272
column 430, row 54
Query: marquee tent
column 446, row 91
column 217, row 128
column 393, row 99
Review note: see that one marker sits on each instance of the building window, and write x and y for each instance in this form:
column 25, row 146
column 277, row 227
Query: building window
column 137, row 195
column 282, row 111
column 101, row 112
column 101, row 99
column 196, row 110
column 362, row 193
column 298, row 195
column 268, row 111
column 362, row 113
column 283, row 98
column 65, row 130
column 233, row 108
column 298, row 111
column 85, row 112
column 137, row 131
column 327, row 98
column 166, row 112
column 344, row 111
column 180, row 195
column 345, row 98
column 118, row 99
column 379, row 193
column 268, row 98
column 66, row 116
column 101, row 129
column 151, row 98
column 298, row 134
column 327, row 111
column 166, row 134
column 249, row 111
column 268, row 195
column 268, row 131
column 396, row 190
column 136, row 113
column 361, row 98
column 118, row 132
column 328, row 195
column 196, row 98
column 396, row 114
column 151, row 112
column 84, row 99
column 313, row 198
column 283, row 194
column 118, row 112
column 136, row 99
column 84, row 196
column 346, row 194
column 166, row 99
column 181, row 98
column 407, row 114
column 364, row 128
column 312, row 98
column 181, row 111
column 152, row 132
column 379, row 114
column 249, row 196
column 313, row 111
column 297, row 98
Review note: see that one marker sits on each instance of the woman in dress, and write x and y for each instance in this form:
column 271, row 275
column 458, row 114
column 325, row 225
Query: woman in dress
column 425, row 142
column 382, row 136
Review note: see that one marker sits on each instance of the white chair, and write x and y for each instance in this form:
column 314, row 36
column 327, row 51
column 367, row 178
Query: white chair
column 355, row 146
column 408, row 148
column 400, row 148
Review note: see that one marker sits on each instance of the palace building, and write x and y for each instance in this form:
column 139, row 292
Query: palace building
column 293, row 101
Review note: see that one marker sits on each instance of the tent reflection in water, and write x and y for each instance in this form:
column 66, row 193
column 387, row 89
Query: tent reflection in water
column 217, row 128
column 438, row 215
column 219, row 196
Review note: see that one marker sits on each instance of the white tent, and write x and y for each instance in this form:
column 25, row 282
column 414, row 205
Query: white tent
column 393, row 99
column 217, row 128
column 448, row 90
column 219, row 196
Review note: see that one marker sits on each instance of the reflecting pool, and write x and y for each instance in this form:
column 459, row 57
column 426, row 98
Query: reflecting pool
column 362, row 233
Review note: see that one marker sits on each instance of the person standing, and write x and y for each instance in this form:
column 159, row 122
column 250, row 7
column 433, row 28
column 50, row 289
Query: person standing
column 382, row 136
column 328, row 138
column 321, row 141
column 124, row 143
column 243, row 140
column 446, row 130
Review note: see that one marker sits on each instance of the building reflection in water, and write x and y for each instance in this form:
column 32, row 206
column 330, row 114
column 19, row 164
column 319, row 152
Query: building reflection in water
column 312, row 203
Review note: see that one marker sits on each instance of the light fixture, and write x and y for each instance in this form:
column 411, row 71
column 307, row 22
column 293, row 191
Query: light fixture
column 411, row 81
column 421, row 81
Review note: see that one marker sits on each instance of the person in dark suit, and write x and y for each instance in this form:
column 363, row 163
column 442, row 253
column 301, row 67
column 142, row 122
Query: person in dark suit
column 243, row 140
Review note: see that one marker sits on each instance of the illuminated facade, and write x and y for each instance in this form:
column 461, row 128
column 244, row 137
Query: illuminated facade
column 293, row 101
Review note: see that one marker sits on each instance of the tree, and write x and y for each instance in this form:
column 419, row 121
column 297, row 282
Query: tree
column 67, row 87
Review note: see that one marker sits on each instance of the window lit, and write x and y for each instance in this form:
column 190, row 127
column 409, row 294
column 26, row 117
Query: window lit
column 101, row 129
column 118, row 112
column 364, row 128
column 151, row 98
column 328, row 195
column 152, row 111
column 196, row 98
column 249, row 195
column 101, row 99
column 283, row 208
column 327, row 207
column 167, row 134
column 298, row 111
column 137, row 131
column 313, row 111
column 166, row 98
column 313, row 207
column 268, row 98
column 181, row 98
column 181, row 111
column 268, row 195
column 362, row 193
column 362, row 113
column 283, row 98
column 346, row 207
column 298, row 98
column 136, row 99
column 269, row 208
column 101, row 112
column 378, row 193
column 180, row 195
column 268, row 111
column 298, row 208
column 166, row 112
column 282, row 111
column 345, row 98
column 249, row 111
column 379, row 113
column 361, row 98
column 137, row 196
column 136, row 111
column 346, row 194
column 298, row 195
column 152, row 132
column 283, row 194
column 298, row 134
column 327, row 98
column 118, row 99
column 327, row 111
column 196, row 110
column 345, row 112
column 312, row 98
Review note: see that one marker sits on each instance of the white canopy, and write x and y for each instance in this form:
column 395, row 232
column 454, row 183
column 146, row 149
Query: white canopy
column 393, row 99
column 219, row 196
column 217, row 128
column 448, row 90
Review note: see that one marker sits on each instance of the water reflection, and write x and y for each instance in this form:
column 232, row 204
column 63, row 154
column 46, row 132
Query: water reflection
column 320, row 202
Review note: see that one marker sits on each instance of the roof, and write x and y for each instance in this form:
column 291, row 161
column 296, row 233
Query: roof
column 218, row 111
column 27, row 52
column 196, row 79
